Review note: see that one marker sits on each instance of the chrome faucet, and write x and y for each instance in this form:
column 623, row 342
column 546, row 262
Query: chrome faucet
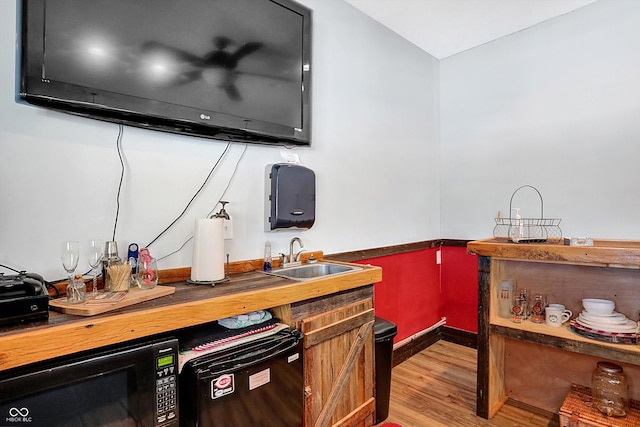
column 294, row 257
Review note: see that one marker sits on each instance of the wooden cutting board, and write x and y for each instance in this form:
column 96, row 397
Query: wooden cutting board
column 134, row 296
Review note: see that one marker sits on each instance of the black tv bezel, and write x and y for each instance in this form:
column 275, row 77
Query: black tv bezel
column 178, row 119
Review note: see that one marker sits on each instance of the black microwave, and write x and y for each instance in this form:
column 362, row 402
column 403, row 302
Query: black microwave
column 134, row 385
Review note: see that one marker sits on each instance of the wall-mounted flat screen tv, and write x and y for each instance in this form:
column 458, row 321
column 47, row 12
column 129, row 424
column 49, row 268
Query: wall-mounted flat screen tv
column 224, row 69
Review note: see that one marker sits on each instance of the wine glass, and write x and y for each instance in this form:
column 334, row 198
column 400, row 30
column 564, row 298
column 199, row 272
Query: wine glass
column 95, row 252
column 69, row 253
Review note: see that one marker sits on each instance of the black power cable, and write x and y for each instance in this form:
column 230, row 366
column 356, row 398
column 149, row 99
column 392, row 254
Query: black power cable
column 194, row 196
column 122, row 171
column 235, row 169
column 119, row 148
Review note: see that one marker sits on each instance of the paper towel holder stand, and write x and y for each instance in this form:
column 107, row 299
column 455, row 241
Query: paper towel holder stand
column 224, row 215
column 212, row 282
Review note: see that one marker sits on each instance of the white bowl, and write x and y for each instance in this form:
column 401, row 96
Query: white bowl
column 598, row 306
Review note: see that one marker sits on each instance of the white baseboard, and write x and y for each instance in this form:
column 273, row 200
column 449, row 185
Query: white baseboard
column 417, row 335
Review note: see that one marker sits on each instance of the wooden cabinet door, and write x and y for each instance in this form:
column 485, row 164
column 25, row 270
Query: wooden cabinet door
column 339, row 366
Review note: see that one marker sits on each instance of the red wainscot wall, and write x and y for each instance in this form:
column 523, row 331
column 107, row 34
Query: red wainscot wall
column 459, row 283
column 409, row 293
column 416, row 293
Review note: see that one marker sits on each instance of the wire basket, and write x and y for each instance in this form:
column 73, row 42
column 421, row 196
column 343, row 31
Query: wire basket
column 527, row 230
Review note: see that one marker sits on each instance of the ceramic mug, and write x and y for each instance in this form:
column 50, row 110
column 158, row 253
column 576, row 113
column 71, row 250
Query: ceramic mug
column 557, row 314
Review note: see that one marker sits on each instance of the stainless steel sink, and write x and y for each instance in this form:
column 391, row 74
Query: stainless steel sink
column 313, row 271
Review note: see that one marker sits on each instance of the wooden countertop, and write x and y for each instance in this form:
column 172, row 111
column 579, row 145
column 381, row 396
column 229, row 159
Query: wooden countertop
column 606, row 253
column 190, row 305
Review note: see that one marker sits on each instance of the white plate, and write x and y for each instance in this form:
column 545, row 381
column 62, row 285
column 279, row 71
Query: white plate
column 623, row 322
column 608, row 320
column 628, row 327
column 614, row 314
column 616, row 329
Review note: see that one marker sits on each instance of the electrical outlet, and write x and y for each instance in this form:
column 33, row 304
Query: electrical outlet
column 227, row 229
column 438, row 257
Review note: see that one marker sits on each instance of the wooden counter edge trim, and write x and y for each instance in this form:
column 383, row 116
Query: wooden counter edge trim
column 363, row 254
column 19, row 349
column 619, row 254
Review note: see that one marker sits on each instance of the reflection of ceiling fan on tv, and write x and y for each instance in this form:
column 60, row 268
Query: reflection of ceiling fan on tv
column 221, row 59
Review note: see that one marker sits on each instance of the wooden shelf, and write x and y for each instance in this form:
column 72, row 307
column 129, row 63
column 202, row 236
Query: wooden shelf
column 611, row 253
column 565, row 339
column 511, row 356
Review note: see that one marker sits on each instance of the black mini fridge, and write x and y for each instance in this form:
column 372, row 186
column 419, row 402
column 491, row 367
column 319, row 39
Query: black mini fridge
column 257, row 384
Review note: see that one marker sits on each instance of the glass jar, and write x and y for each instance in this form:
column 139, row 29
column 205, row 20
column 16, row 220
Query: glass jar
column 76, row 290
column 609, row 389
column 146, row 276
column 119, row 277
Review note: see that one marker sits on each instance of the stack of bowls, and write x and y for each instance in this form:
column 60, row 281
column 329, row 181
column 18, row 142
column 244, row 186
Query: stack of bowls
column 600, row 315
column 599, row 307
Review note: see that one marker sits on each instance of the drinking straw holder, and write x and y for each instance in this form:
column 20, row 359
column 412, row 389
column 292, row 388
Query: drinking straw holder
column 120, row 275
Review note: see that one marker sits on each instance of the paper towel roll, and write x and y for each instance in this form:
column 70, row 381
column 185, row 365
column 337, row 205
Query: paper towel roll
column 207, row 264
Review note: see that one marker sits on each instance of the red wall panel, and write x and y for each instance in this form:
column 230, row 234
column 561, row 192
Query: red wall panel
column 409, row 294
column 459, row 282
column 416, row 292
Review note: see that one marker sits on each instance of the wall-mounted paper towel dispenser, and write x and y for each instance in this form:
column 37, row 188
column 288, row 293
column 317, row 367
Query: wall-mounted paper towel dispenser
column 290, row 197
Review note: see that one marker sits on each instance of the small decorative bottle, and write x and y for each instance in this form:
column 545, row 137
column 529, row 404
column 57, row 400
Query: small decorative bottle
column 267, row 256
column 525, row 303
column 76, row 290
column 609, row 389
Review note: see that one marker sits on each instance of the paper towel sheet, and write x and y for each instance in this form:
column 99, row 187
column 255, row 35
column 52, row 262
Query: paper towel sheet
column 208, row 250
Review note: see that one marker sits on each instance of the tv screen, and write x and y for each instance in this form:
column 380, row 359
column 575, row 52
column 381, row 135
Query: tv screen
column 223, row 69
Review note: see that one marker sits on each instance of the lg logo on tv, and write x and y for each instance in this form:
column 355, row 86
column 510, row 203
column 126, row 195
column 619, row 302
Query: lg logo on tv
column 18, row 415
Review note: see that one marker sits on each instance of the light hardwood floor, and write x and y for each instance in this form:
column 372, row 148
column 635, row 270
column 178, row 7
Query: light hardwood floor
column 437, row 387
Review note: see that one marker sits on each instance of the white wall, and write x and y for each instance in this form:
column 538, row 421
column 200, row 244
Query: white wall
column 556, row 106
column 375, row 154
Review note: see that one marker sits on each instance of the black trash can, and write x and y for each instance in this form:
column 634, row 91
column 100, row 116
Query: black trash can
column 384, row 331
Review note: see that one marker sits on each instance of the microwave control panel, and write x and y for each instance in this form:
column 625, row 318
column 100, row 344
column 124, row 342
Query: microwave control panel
column 166, row 366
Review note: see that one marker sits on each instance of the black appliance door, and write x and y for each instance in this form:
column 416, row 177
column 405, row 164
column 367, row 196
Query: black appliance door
column 111, row 388
column 258, row 384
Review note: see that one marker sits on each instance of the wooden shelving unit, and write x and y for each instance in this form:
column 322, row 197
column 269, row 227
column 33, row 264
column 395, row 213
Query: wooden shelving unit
column 536, row 363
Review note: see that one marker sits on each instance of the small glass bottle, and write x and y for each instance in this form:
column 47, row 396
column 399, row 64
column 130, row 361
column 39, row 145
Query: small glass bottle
column 609, row 389
column 267, row 266
column 525, row 303
column 76, row 290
